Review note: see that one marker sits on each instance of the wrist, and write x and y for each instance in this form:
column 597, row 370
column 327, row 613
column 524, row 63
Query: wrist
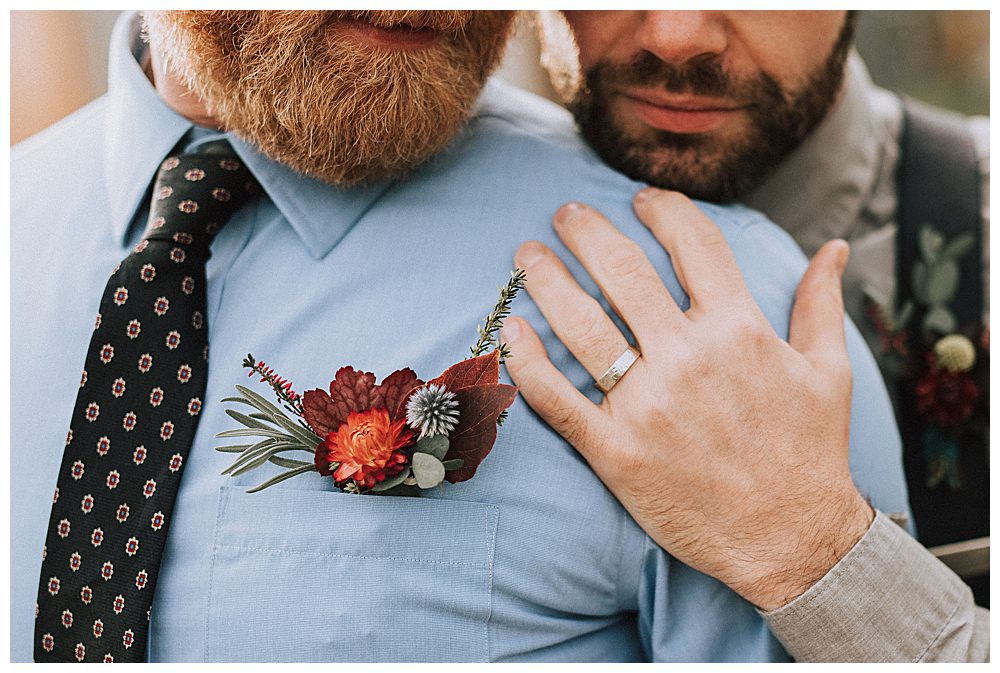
column 808, row 552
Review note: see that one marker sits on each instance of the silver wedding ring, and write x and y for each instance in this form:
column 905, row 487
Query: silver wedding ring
column 617, row 370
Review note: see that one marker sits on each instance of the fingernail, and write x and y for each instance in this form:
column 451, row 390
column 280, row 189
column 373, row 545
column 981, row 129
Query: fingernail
column 529, row 253
column 567, row 212
column 645, row 194
column 511, row 330
column 843, row 255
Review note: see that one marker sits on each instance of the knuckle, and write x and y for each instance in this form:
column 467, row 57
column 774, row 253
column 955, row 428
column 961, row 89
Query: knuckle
column 682, row 354
column 586, row 329
column 658, row 412
column 708, row 240
column 626, row 260
column 747, row 330
column 566, row 419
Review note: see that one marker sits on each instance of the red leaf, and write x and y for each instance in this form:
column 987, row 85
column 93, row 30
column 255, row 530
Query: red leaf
column 395, row 389
column 321, row 461
column 473, row 439
column 477, row 371
column 320, row 412
column 350, row 390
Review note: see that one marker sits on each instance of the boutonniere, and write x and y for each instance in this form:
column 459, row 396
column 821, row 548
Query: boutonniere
column 944, row 365
column 396, row 437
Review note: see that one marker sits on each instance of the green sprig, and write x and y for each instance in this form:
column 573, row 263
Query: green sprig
column 494, row 321
column 275, row 433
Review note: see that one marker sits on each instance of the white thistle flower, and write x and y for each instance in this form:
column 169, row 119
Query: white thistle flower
column 433, row 410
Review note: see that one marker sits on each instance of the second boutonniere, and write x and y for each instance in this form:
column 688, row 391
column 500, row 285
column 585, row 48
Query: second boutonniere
column 396, row 437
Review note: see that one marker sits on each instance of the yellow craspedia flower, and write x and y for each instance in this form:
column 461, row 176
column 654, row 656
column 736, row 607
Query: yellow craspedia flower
column 955, row 353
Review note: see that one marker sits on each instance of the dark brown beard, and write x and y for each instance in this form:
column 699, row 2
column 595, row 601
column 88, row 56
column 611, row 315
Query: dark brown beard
column 699, row 165
column 329, row 107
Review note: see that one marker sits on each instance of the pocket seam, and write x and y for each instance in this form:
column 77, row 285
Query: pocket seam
column 489, row 582
column 482, row 566
column 220, row 505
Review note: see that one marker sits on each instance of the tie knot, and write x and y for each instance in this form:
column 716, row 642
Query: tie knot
column 195, row 194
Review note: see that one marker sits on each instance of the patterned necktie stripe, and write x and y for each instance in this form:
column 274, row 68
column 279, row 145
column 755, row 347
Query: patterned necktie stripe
column 140, row 397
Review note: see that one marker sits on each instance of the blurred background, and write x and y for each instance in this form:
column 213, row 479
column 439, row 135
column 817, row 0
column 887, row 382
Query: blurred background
column 59, row 60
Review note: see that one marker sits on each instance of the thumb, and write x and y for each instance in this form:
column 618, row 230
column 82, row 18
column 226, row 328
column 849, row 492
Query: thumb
column 817, row 324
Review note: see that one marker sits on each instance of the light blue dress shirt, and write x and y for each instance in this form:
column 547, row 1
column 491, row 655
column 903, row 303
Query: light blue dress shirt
column 533, row 559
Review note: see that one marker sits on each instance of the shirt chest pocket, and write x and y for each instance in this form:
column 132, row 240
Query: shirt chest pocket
column 319, row 576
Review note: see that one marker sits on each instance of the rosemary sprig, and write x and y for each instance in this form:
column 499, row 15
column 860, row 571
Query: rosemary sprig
column 275, row 434
column 494, row 321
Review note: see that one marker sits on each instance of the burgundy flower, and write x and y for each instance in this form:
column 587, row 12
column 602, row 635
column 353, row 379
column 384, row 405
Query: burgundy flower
column 947, row 399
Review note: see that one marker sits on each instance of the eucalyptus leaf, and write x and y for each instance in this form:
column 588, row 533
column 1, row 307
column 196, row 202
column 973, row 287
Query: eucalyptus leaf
column 960, row 246
column 428, row 470
column 392, row 482
column 453, row 464
column 283, row 476
column 918, row 278
column 288, row 462
column 939, row 319
column 436, row 446
column 930, row 242
column 942, row 283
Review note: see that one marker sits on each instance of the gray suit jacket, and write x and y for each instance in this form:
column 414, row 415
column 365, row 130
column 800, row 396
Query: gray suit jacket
column 888, row 599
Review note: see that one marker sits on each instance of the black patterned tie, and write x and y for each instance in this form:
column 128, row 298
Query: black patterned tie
column 140, row 395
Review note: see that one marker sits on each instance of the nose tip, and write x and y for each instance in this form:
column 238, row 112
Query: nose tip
column 682, row 37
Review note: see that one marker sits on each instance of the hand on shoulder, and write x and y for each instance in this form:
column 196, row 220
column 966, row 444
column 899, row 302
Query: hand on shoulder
column 727, row 444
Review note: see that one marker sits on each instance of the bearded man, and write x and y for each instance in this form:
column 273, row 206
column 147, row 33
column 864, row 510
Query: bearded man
column 758, row 106
column 362, row 221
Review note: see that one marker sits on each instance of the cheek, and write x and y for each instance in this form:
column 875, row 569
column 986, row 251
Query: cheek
column 790, row 46
column 597, row 34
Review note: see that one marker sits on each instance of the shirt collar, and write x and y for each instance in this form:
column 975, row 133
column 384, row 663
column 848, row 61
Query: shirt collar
column 138, row 118
column 818, row 192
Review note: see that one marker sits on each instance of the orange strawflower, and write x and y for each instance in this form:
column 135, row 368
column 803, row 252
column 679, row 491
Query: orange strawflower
column 367, row 446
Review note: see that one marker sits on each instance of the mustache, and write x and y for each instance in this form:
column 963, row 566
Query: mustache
column 705, row 77
column 450, row 21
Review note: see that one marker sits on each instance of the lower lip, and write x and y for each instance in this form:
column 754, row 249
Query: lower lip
column 389, row 38
column 675, row 120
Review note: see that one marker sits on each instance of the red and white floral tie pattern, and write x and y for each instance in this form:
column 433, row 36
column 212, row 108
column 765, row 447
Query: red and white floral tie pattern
column 141, row 393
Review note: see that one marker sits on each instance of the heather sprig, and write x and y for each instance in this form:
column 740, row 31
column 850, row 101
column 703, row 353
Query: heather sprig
column 290, row 399
column 494, row 321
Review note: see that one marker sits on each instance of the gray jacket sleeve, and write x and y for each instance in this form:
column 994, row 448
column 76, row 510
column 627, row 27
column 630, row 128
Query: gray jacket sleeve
column 888, row 599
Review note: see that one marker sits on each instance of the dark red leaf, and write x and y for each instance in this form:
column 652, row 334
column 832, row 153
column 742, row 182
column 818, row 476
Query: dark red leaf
column 321, row 459
column 482, row 370
column 320, row 412
column 400, row 411
column 352, row 390
column 394, row 390
column 473, row 438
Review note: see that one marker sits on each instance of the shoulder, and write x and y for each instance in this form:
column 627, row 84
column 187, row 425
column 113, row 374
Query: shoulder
column 532, row 144
column 506, row 108
column 61, row 154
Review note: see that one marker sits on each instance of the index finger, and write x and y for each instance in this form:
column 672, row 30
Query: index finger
column 703, row 261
